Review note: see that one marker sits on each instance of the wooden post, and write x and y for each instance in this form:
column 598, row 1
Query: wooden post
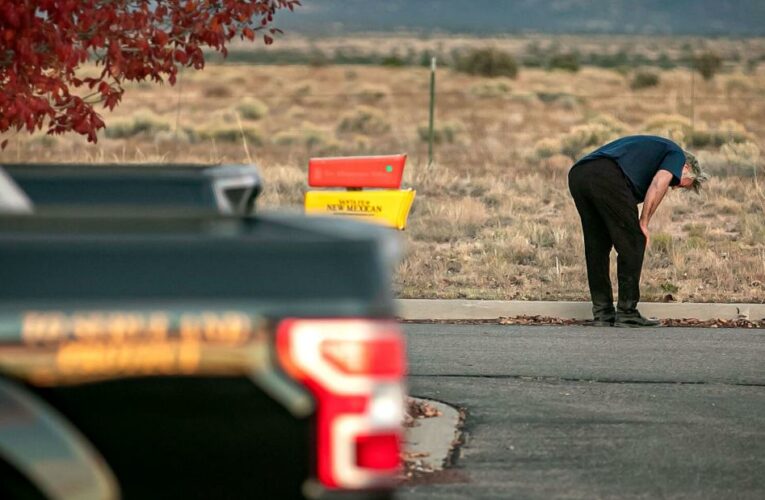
column 432, row 109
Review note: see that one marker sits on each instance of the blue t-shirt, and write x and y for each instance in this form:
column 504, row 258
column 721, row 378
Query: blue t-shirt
column 640, row 157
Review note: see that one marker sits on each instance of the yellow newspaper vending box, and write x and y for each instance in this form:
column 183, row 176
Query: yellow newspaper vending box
column 386, row 204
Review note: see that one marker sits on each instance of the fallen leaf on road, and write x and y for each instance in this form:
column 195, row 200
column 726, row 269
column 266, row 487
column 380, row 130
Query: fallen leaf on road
column 418, row 409
column 546, row 321
column 536, row 320
column 714, row 323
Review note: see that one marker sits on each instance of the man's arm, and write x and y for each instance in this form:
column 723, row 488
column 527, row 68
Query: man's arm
column 656, row 191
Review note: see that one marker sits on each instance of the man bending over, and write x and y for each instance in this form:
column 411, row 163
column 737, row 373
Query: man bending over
column 607, row 185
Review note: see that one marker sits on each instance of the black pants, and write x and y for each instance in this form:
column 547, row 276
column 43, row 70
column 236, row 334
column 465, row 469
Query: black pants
column 609, row 214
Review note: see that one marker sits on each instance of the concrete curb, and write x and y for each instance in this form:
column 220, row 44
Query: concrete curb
column 436, row 309
column 433, row 437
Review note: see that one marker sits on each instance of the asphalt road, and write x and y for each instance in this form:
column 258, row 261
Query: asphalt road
column 576, row 412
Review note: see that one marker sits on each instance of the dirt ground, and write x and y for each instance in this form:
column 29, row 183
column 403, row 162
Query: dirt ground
column 493, row 218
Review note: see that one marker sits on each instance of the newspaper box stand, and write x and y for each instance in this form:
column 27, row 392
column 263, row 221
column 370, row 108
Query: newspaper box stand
column 372, row 188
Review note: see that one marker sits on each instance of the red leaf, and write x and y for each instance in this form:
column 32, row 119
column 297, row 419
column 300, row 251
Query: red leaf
column 181, row 56
column 47, row 41
column 160, row 37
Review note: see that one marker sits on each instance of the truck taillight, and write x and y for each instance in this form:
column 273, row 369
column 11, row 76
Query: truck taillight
column 380, row 451
column 382, row 357
column 355, row 369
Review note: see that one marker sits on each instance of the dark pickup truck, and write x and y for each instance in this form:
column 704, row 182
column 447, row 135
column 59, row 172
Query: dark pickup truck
column 226, row 189
column 197, row 356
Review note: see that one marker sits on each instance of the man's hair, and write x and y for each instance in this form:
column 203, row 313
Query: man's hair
column 696, row 174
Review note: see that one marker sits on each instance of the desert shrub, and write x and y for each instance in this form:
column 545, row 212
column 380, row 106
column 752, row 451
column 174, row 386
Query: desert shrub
column 523, row 97
column 662, row 121
column 728, row 131
column 669, row 287
column 554, row 166
column 597, row 131
column 696, row 243
column 674, row 127
column 447, row 132
column 351, row 144
column 426, row 57
column 393, row 61
column 533, row 54
column 302, row 90
column 513, row 249
column 164, row 137
column 353, row 55
column 373, row 92
column 488, row 62
column 744, row 155
column 488, row 90
column 752, row 229
column 611, row 60
column 714, row 163
column 541, row 235
column 566, row 62
column 364, row 120
column 556, row 97
column 707, row 64
column 222, row 132
column 252, row 109
column 44, row 140
column 609, row 122
column 734, row 131
column 449, row 220
column 662, row 243
column 317, row 58
column 732, row 160
column 307, row 135
column 289, row 137
column 582, row 137
column 569, row 102
column 701, row 138
column 725, row 206
column 285, row 186
column 143, row 121
column 296, row 112
column 313, row 136
column 217, row 91
column 664, row 61
column 696, row 230
column 547, row 147
column 737, row 84
column 644, row 79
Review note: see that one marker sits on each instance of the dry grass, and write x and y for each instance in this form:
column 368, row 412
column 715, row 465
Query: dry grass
column 493, row 217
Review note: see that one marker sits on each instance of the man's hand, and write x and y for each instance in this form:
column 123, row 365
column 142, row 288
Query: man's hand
column 653, row 197
column 644, row 228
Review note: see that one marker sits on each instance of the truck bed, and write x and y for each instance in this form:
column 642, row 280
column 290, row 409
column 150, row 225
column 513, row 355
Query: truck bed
column 319, row 266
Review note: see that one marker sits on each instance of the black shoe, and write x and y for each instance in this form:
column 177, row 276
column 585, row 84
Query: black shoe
column 603, row 314
column 634, row 319
column 599, row 322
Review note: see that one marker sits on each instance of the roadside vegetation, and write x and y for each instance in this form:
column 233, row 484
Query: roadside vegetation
column 493, row 218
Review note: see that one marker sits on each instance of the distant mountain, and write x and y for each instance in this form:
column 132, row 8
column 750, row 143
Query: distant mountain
column 492, row 17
